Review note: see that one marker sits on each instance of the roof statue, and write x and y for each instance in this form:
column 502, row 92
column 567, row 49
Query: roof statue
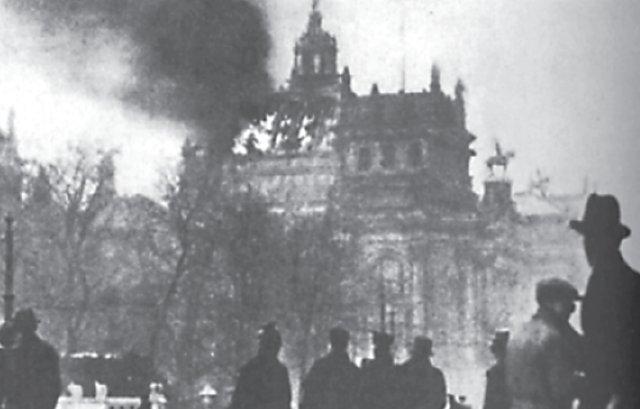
column 315, row 5
column 500, row 159
column 460, row 90
column 539, row 184
column 10, row 123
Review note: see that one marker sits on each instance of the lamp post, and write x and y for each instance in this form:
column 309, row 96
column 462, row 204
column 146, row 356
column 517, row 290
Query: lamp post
column 157, row 400
column 207, row 395
column 8, row 273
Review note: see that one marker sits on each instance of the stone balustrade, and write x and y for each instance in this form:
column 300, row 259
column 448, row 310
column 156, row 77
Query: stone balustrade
column 67, row 402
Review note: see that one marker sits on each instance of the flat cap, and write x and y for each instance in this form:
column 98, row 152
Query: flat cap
column 556, row 289
column 382, row 339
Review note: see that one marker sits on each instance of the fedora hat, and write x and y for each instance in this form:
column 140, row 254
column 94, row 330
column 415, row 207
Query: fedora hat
column 338, row 336
column 500, row 340
column 25, row 320
column 601, row 218
column 382, row 339
column 423, row 346
column 269, row 337
column 556, row 289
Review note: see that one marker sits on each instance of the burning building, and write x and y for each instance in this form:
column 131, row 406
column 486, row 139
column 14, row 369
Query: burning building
column 436, row 258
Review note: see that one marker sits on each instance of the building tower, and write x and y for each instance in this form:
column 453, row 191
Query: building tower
column 10, row 176
column 315, row 65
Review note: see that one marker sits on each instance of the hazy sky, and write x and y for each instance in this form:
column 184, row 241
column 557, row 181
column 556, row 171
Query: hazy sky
column 555, row 80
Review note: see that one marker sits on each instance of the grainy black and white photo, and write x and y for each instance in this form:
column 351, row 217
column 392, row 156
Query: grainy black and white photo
column 320, row 204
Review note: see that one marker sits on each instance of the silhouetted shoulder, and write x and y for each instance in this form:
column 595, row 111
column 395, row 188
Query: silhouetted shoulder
column 437, row 372
column 44, row 352
column 251, row 365
column 496, row 369
column 282, row 368
column 321, row 363
column 48, row 349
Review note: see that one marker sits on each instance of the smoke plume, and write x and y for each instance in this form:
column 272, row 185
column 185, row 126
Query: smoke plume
column 202, row 62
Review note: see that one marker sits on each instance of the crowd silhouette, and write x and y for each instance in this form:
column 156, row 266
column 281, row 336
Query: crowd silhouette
column 30, row 374
column 334, row 381
column 543, row 363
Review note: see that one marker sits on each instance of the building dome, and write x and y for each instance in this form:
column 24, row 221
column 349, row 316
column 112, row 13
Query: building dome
column 315, row 63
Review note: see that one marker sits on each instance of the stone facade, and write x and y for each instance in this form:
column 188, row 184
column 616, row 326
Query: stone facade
column 395, row 165
column 437, row 260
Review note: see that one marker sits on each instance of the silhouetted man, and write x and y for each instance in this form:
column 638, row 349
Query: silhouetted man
column 421, row 385
column 34, row 375
column 332, row 382
column 378, row 382
column 543, row 355
column 6, row 342
column 496, row 394
column 263, row 382
column 611, row 309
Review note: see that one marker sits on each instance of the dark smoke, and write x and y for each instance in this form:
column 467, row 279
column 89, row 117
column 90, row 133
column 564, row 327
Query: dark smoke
column 202, row 62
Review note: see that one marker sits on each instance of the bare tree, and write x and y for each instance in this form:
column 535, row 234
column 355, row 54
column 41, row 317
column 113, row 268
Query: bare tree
column 67, row 221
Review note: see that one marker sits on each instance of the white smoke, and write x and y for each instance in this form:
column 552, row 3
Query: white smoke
column 66, row 93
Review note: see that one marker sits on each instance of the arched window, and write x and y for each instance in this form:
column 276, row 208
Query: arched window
column 299, row 65
column 329, row 66
column 395, row 299
column 393, row 276
column 388, row 156
column 415, row 154
column 364, row 159
column 317, row 63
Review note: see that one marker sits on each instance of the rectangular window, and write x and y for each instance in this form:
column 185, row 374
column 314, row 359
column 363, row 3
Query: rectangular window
column 415, row 154
column 364, row 159
column 299, row 66
column 317, row 63
column 388, row 156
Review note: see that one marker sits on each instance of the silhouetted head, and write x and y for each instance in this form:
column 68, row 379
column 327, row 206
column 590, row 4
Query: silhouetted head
column 382, row 344
column 339, row 339
column 499, row 343
column 422, row 347
column 557, row 296
column 7, row 334
column 269, row 340
column 601, row 228
column 25, row 321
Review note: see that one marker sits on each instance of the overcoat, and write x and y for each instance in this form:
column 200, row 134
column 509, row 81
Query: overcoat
column 332, row 383
column 378, row 384
column 611, row 323
column 33, row 375
column 421, row 385
column 542, row 362
column 263, row 383
column 496, row 395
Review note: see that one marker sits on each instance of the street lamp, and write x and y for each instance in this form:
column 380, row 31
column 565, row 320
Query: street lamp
column 157, row 399
column 207, row 395
column 7, row 335
column 8, row 277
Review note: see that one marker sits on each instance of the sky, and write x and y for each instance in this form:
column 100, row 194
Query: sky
column 554, row 80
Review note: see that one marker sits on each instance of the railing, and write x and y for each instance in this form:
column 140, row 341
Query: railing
column 102, row 401
column 66, row 402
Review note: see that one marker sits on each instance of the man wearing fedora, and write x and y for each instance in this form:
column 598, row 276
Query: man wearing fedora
column 422, row 385
column 263, row 382
column 611, row 309
column 333, row 379
column 543, row 359
column 496, row 395
column 35, row 372
column 378, row 384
